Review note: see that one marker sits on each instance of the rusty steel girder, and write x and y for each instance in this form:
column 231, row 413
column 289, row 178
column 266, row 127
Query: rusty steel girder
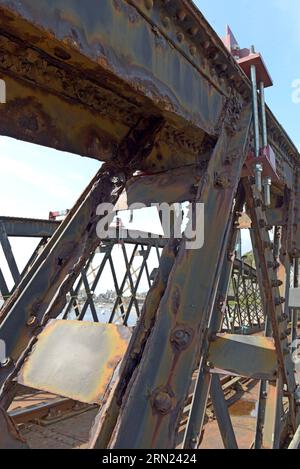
column 106, row 64
column 149, row 88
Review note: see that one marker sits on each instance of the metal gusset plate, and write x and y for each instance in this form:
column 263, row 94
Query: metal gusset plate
column 76, row 359
column 250, row 356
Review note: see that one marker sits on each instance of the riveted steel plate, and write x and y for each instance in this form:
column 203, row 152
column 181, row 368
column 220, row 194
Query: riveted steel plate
column 76, row 359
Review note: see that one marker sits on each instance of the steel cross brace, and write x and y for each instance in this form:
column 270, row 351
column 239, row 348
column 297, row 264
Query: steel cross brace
column 42, row 293
column 204, row 380
column 156, row 395
column 271, row 394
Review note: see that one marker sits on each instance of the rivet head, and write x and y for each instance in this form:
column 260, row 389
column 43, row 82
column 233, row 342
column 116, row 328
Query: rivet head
column 180, row 37
column 181, row 338
column 149, row 4
column 181, row 15
column 257, row 203
column 166, row 22
column 194, row 31
column 162, row 400
column 279, row 301
column 6, row 362
column 193, row 50
column 277, row 283
column 31, row 321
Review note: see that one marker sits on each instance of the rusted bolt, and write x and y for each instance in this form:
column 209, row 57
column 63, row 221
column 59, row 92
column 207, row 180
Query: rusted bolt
column 210, row 364
column 193, row 50
column 194, row 31
column 279, row 301
column 166, row 21
column 162, row 401
column 6, row 362
column 282, row 318
column 222, row 181
column 277, row 283
column 180, row 37
column 181, row 15
column 181, row 338
column 257, row 203
column 149, row 4
column 31, row 321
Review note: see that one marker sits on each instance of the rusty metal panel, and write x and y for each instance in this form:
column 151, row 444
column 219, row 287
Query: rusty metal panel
column 76, row 359
column 249, row 356
column 117, row 38
column 157, row 394
column 177, row 185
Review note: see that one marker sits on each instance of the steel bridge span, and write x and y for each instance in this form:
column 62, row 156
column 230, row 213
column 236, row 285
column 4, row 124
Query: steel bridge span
column 177, row 116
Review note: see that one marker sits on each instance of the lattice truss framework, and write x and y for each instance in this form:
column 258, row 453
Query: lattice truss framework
column 172, row 123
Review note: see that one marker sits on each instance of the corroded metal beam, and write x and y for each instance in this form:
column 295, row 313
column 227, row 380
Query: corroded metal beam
column 28, row 227
column 156, row 395
column 80, row 76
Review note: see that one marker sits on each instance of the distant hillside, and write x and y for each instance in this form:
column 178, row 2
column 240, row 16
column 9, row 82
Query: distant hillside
column 249, row 258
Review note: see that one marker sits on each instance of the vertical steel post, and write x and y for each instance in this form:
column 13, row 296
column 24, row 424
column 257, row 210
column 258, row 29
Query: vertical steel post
column 258, row 167
column 267, row 181
column 295, row 310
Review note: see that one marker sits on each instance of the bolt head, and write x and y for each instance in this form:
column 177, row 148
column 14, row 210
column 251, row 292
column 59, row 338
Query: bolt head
column 181, row 338
column 31, row 321
column 6, row 362
column 149, row 4
column 162, row 401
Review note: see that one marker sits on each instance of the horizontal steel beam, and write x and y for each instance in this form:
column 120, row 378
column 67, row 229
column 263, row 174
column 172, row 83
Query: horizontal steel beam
column 29, row 227
column 247, row 356
column 69, row 86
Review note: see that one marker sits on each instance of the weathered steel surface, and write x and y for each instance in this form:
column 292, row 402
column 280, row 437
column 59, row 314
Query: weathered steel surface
column 17, row 329
column 203, row 382
column 253, row 357
column 268, row 267
column 108, row 415
column 91, row 70
column 56, row 270
column 222, row 414
column 28, row 227
column 146, row 86
column 173, row 186
column 117, row 67
column 76, row 359
column 156, row 396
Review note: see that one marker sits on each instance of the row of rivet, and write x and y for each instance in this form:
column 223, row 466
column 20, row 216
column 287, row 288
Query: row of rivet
column 219, row 70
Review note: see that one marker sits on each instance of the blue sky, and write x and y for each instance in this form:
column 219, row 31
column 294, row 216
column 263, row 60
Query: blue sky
column 34, row 180
column 273, row 26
